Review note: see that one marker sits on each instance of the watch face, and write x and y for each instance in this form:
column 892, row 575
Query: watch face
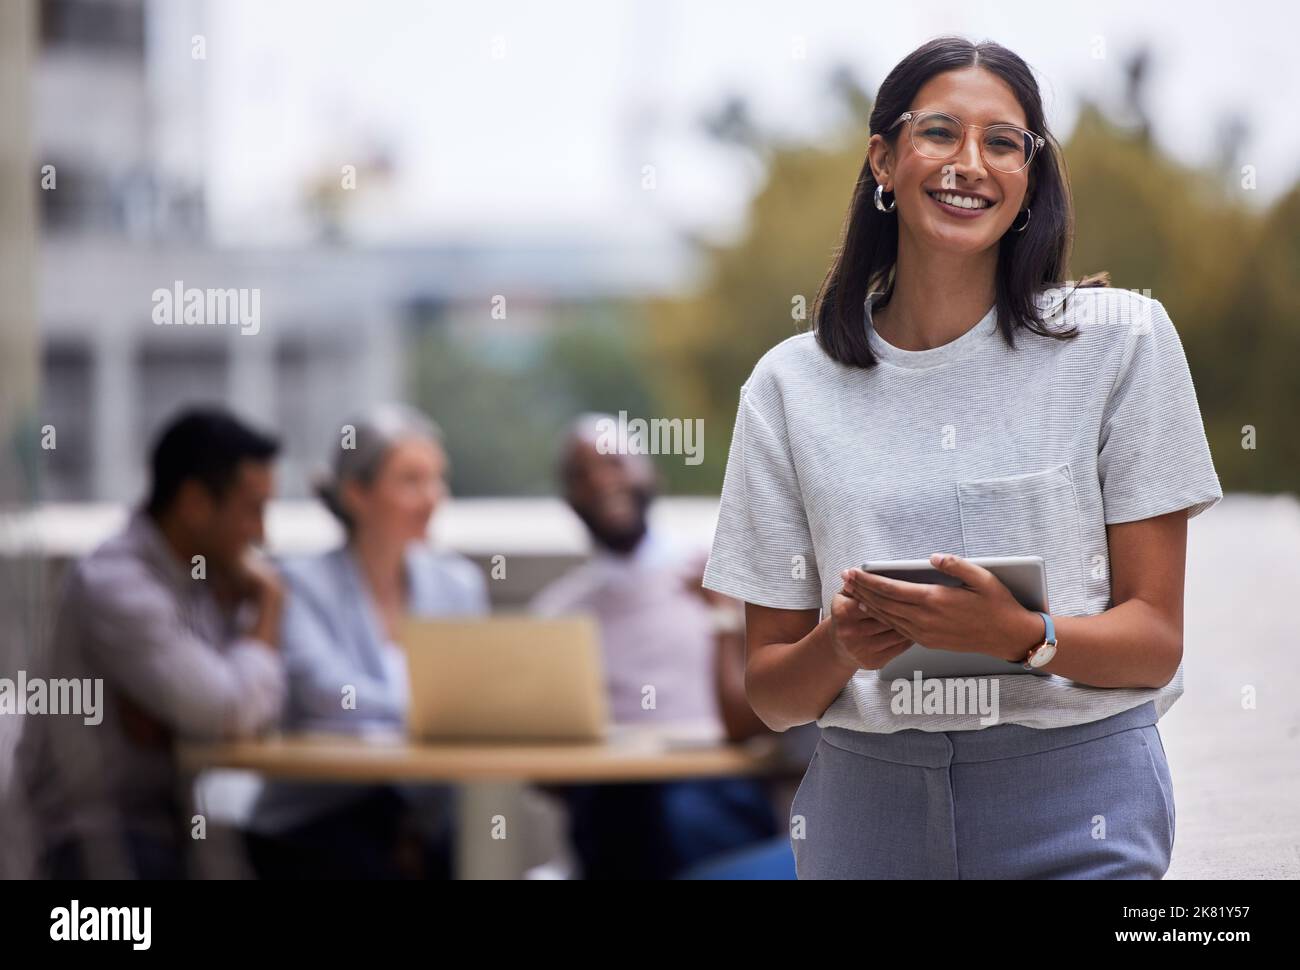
column 1044, row 655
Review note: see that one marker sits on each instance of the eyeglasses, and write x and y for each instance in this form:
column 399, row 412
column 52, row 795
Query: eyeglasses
column 1007, row 148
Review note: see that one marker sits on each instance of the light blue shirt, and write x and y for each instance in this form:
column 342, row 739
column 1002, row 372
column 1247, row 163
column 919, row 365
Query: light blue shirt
column 341, row 669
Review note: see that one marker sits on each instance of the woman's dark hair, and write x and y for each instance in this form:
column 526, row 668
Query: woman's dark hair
column 1028, row 261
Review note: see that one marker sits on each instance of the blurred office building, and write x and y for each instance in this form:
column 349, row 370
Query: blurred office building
column 121, row 129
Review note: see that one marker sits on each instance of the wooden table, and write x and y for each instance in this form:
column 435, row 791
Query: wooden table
column 490, row 777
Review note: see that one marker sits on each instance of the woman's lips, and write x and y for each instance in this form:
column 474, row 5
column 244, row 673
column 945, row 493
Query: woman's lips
column 956, row 211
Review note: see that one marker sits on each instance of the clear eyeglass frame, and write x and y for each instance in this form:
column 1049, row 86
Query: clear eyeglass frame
column 1035, row 140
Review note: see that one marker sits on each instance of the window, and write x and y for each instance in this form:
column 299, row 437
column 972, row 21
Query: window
column 66, row 404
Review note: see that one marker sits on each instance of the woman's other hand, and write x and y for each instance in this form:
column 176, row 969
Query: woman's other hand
column 980, row 616
column 861, row 639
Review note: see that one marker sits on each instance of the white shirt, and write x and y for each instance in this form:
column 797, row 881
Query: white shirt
column 395, row 666
column 973, row 448
column 658, row 646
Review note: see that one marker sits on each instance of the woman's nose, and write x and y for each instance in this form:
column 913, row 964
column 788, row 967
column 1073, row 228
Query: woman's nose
column 968, row 158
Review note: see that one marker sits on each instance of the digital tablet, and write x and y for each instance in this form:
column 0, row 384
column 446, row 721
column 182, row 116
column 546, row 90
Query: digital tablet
column 1024, row 576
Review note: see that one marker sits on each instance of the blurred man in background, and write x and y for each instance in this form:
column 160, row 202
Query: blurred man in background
column 673, row 659
column 180, row 620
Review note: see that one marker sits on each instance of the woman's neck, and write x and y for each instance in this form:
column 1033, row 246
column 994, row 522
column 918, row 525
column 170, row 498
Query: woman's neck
column 382, row 564
column 936, row 298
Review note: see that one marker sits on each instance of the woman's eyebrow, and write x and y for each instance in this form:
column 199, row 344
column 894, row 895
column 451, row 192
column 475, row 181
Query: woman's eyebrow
column 958, row 114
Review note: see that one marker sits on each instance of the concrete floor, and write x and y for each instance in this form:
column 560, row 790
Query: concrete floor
column 1236, row 771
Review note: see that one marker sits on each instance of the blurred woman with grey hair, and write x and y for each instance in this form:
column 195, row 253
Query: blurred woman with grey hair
column 346, row 671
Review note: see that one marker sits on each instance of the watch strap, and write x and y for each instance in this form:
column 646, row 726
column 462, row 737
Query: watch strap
column 1049, row 638
column 1049, row 628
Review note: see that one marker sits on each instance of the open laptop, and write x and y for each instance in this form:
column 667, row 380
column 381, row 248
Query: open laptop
column 505, row 678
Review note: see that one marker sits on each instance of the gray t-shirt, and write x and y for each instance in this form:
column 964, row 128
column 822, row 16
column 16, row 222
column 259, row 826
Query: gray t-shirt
column 973, row 448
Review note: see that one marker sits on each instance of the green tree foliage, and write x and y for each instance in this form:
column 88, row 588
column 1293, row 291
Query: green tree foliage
column 503, row 414
column 1252, row 356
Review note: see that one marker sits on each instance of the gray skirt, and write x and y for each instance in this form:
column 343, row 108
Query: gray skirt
column 1086, row 801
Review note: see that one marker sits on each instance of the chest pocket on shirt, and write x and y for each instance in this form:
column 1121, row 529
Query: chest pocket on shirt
column 1029, row 515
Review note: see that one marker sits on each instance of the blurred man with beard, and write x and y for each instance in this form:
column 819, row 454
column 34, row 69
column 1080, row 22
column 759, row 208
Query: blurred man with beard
column 674, row 656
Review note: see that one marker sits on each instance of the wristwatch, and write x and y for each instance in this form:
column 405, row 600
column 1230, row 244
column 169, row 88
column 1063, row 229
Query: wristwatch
column 1045, row 651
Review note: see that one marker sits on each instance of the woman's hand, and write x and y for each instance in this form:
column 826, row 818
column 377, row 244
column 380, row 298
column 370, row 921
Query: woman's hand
column 860, row 639
column 980, row 616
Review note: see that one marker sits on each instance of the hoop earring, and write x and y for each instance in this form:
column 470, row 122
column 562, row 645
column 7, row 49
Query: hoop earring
column 1027, row 215
column 893, row 203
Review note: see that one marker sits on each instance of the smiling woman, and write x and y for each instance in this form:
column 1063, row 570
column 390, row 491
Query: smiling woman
column 958, row 396
column 960, row 162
